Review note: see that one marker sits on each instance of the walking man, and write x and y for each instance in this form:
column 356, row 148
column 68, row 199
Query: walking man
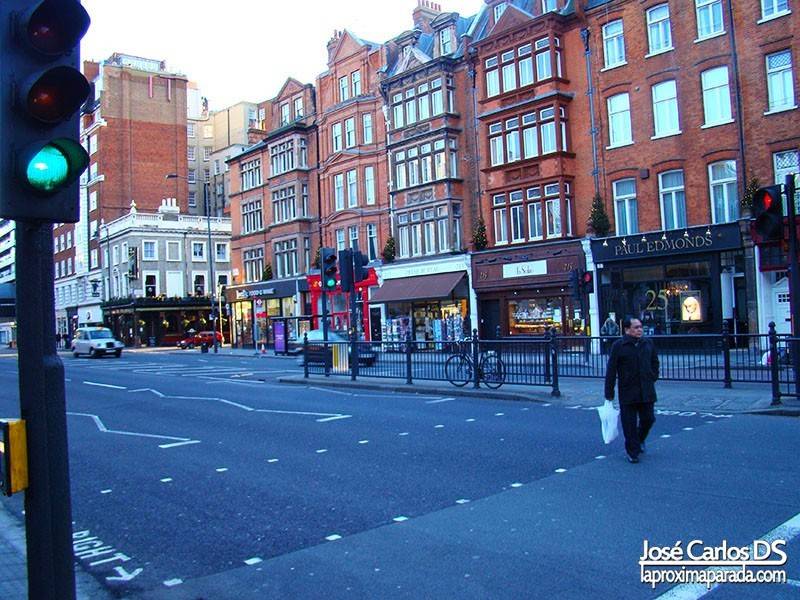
column 634, row 363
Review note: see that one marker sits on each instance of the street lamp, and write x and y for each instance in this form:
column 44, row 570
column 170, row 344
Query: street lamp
column 212, row 286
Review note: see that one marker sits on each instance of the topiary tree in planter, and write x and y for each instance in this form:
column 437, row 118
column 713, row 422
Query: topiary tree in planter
column 267, row 274
column 389, row 250
column 479, row 241
column 750, row 189
column 317, row 258
column 599, row 223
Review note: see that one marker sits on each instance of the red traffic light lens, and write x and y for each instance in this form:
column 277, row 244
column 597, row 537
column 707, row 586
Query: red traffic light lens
column 56, row 27
column 57, row 95
column 768, row 200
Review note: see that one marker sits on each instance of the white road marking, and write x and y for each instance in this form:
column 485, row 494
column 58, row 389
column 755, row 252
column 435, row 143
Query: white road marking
column 439, row 401
column 793, row 582
column 173, row 582
column 363, row 441
column 105, row 385
column 688, row 428
column 166, row 480
column 105, row 491
column 221, row 470
column 404, row 433
column 400, row 519
column 272, row 460
column 547, row 404
column 176, row 444
column 67, row 379
column 516, row 485
column 787, row 531
column 462, row 501
column 156, row 392
column 253, row 561
column 561, row 470
column 334, row 418
column 322, row 451
column 666, row 435
column 101, row 426
column 328, row 390
column 599, row 457
column 438, row 426
column 524, row 409
column 499, row 414
column 333, row 538
column 470, row 420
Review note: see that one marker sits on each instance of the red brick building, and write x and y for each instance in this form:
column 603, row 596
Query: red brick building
column 275, row 219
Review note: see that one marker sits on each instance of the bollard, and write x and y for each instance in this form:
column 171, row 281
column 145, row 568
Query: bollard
column 726, row 355
column 408, row 359
column 554, row 351
column 476, row 376
column 547, row 356
column 305, row 355
column 774, row 365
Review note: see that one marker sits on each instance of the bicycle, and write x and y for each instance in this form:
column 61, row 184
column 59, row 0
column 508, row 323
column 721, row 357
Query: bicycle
column 491, row 370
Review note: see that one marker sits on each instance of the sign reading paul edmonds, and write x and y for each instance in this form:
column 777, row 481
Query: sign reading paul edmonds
column 714, row 238
column 698, row 563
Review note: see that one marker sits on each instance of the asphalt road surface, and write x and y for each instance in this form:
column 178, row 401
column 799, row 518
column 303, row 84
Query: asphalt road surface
column 200, row 476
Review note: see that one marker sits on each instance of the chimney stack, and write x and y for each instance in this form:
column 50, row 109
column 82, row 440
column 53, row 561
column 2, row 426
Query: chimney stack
column 424, row 14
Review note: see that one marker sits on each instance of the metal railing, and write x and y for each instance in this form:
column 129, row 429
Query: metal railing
column 724, row 358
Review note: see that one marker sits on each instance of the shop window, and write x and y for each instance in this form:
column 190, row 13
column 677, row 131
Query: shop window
column 626, row 214
column 673, row 199
column 724, row 192
column 535, row 316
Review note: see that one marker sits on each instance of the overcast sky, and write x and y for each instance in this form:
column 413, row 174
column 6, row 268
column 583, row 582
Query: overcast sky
column 243, row 49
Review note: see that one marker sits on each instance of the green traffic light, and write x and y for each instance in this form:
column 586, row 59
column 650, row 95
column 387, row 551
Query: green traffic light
column 48, row 169
column 330, row 283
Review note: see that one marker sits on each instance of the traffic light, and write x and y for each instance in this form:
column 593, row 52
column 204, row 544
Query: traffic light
column 587, row 282
column 346, row 266
column 329, row 269
column 575, row 278
column 768, row 212
column 41, row 93
column 359, row 263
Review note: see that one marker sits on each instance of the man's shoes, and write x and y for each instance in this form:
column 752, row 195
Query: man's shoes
column 633, row 459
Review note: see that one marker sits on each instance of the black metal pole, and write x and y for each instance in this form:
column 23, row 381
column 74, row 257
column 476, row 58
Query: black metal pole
column 774, row 366
column 211, row 256
column 794, row 277
column 726, row 356
column 48, row 510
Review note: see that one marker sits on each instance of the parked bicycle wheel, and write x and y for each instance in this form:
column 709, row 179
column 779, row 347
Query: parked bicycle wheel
column 458, row 370
column 493, row 371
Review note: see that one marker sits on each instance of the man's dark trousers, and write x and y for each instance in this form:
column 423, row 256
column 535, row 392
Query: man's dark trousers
column 636, row 433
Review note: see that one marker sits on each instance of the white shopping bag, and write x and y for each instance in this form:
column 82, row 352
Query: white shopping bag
column 609, row 420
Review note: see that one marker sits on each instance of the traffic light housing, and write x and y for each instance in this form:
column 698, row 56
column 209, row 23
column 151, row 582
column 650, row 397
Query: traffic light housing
column 360, row 273
column 329, row 269
column 587, row 282
column 575, row 278
column 346, row 270
column 41, row 94
column 768, row 212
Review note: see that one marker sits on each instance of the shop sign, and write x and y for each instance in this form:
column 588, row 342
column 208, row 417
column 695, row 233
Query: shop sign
column 525, row 269
column 247, row 294
column 699, row 239
column 418, row 270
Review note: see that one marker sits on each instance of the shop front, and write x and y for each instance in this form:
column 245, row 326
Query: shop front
column 257, row 310
column 339, row 306
column 429, row 301
column 676, row 282
column 526, row 291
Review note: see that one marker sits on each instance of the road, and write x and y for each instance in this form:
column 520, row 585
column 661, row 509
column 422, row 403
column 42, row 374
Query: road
column 200, row 476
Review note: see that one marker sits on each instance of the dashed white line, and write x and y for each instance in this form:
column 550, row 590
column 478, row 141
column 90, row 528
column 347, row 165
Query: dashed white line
column 439, row 401
column 516, row 485
column 400, row 519
column 173, row 582
column 333, row 538
column 470, row 420
column 176, row 444
column 438, row 426
column 499, row 414
column 600, row 457
column 462, row 501
column 547, row 404
column 105, row 385
column 253, row 561
column 561, row 470
column 666, row 435
column 688, row 428
column 272, row 460
column 166, row 480
column 105, row 491
column 321, row 451
column 402, row 434
column 222, row 470
column 363, row 441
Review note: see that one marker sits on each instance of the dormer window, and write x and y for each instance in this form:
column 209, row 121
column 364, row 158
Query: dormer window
column 498, row 11
column 445, row 42
column 549, row 6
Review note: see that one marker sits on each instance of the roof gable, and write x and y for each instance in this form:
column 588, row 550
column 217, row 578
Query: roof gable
column 512, row 17
column 291, row 86
column 347, row 45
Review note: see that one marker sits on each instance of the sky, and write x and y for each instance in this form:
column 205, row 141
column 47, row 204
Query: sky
column 243, row 49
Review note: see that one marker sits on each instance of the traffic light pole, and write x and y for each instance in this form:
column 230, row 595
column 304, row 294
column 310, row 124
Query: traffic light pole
column 794, row 276
column 48, row 511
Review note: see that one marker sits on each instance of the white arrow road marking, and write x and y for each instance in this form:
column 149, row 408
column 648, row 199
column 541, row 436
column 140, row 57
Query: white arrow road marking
column 123, row 575
column 101, row 426
column 105, row 385
column 324, row 417
column 156, row 392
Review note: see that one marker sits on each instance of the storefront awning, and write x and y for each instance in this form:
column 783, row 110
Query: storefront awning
column 425, row 287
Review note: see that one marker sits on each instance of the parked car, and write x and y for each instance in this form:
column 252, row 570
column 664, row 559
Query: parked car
column 95, row 341
column 319, row 354
column 196, row 339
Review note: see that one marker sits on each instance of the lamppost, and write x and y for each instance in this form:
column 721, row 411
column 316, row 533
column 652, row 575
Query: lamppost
column 212, row 284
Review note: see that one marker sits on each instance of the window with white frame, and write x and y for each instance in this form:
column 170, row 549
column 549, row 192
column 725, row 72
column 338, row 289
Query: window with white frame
column 709, row 18
column 191, row 176
column 613, row 44
column 92, row 201
column 252, row 217
column 716, row 96
column 492, row 77
column 665, row 109
column 774, row 8
column 299, row 110
column 206, row 175
column 352, row 235
column 352, row 188
column 286, row 258
column 206, row 153
column 619, row 120
column 533, row 197
column 369, row 185
column 251, row 174
column 673, row 199
column 199, row 284
column 198, row 251
column 372, row 241
column 626, row 214
column 499, row 212
column 191, row 130
column 350, row 132
column 547, row 129
column 338, row 191
column 516, row 212
column 192, row 198
column 398, row 112
column 509, row 70
column 340, row 241
column 525, row 64
column 445, row 42
column 780, row 80
column 173, row 251
column 552, row 204
column 253, row 260
column 788, row 163
column 425, row 163
column 284, row 205
column 499, row 10
column 549, row 6
column 114, row 252
column 724, row 191
column 336, row 137
column 513, row 152
column 416, row 237
column 344, row 89
column 544, row 63
column 366, row 119
column 191, row 153
column 285, row 114
column 411, row 106
column 149, row 250
column 659, row 29
column 304, row 200
column 355, row 81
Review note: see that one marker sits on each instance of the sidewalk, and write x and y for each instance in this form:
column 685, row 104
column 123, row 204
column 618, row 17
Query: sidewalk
column 672, row 395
